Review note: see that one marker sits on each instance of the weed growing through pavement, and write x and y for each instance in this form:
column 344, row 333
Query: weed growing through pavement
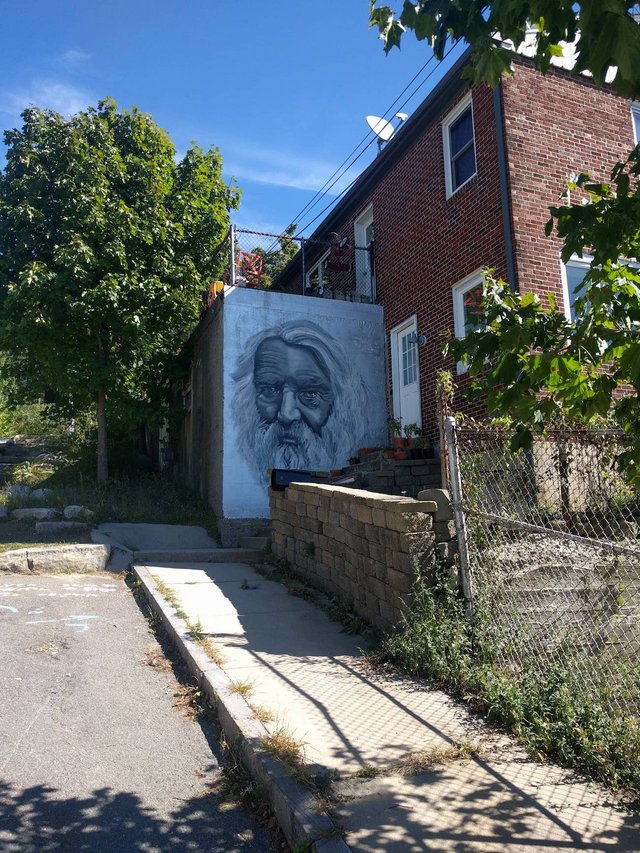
column 289, row 751
column 242, row 688
column 416, row 762
column 195, row 628
column 262, row 714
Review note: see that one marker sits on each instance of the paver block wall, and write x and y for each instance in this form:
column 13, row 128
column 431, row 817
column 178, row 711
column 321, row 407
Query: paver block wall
column 361, row 546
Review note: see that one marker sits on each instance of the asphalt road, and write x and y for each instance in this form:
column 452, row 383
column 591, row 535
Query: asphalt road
column 94, row 755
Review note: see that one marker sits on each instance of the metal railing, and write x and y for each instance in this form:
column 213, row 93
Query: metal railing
column 334, row 268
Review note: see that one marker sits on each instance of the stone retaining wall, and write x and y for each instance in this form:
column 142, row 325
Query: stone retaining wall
column 359, row 545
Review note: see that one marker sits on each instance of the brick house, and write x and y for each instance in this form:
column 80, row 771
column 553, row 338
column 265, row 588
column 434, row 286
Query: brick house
column 466, row 182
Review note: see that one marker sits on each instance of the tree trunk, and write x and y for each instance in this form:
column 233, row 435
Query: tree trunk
column 103, row 462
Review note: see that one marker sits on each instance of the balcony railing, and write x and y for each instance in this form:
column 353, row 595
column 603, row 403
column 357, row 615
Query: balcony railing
column 333, row 268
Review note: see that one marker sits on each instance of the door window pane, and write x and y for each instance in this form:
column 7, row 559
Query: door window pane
column 409, row 361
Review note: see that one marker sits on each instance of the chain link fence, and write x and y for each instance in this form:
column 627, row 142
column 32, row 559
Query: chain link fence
column 550, row 557
column 334, row 268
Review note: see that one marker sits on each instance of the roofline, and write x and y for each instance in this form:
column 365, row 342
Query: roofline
column 450, row 85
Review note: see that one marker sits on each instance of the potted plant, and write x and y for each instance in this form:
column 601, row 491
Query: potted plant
column 395, row 431
column 412, row 431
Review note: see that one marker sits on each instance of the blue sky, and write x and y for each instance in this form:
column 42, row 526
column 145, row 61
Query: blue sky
column 281, row 88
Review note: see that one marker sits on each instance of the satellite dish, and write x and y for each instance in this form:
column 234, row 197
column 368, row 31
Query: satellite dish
column 382, row 128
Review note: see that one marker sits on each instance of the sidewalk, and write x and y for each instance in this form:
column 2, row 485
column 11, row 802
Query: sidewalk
column 394, row 749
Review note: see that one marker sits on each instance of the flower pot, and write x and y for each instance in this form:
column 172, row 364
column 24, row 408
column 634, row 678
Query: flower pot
column 399, row 442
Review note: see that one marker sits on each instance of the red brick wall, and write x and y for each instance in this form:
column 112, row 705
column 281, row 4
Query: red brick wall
column 425, row 243
column 555, row 125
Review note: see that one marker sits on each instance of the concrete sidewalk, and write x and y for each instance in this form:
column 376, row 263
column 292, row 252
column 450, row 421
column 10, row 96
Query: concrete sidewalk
column 397, row 752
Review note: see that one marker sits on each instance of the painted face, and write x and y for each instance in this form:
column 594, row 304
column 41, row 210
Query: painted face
column 292, row 385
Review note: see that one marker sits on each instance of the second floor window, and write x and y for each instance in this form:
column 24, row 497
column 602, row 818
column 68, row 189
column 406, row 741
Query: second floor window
column 459, row 146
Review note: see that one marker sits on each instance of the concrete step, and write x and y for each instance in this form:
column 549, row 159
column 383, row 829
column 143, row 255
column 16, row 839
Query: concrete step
column 257, row 543
column 201, row 555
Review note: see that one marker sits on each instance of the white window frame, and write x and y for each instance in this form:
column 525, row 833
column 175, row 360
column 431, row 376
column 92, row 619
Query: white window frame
column 363, row 264
column 459, row 290
column 451, row 118
column 584, row 263
column 635, row 120
column 317, row 266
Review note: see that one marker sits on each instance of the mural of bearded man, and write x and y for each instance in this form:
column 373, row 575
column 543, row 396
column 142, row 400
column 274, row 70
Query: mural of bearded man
column 298, row 401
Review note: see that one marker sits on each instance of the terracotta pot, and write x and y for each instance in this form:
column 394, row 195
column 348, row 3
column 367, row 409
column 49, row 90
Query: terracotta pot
column 399, row 442
column 400, row 454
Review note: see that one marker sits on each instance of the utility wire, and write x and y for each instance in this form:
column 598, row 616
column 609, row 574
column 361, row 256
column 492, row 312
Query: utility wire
column 371, row 141
column 347, row 162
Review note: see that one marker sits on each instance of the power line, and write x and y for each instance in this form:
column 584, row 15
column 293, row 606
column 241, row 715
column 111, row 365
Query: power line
column 347, row 162
column 371, row 141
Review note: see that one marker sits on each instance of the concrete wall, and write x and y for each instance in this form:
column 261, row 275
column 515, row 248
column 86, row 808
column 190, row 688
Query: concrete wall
column 361, row 546
column 199, row 442
column 332, row 352
column 320, row 399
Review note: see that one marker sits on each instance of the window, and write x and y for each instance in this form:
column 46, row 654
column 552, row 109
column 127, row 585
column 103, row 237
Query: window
column 409, row 356
column 635, row 115
column 319, row 276
column 363, row 238
column 467, row 311
column 573, row 273
column 459, row 146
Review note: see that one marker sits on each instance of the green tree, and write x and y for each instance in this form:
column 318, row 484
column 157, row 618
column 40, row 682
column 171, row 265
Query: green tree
column 105, row 246
column 531, row 363
column 534, row 364
column 606, row 33
column 275, row 260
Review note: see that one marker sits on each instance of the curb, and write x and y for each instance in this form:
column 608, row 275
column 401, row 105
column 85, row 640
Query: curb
column 295, row 807
column 57, row 559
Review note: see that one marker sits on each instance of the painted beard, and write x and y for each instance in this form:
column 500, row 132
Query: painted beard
column 292, row 446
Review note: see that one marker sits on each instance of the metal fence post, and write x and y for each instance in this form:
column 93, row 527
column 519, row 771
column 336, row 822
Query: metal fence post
column 455, row 483
column 232, row 255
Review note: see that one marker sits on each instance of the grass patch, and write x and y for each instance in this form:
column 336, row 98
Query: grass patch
column 242, row 688
column 29, row 419
column 262, row 714
column 290, row 752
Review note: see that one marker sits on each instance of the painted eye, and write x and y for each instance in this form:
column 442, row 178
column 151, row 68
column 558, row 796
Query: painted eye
column 309, row 398
column 269, row 392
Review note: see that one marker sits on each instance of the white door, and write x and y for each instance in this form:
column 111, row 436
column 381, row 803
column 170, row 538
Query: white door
column 405, row 374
